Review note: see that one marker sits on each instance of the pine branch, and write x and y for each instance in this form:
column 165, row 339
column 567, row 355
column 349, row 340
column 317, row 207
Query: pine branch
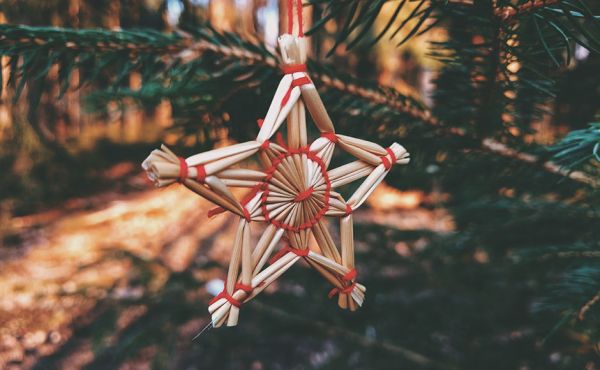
column 579, row 147
column 509, row 13
column 587, row 306
column 496, row 147
column 169, row 50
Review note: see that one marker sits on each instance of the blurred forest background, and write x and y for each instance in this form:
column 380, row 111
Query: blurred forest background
column 480, row 254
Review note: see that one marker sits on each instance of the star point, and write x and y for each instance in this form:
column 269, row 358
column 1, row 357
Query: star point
column 292, row 194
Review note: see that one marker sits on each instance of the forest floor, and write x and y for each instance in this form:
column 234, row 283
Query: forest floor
column 119, row 281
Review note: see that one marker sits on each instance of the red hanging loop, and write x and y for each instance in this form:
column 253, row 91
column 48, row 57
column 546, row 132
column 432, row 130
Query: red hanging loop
column 290, row 13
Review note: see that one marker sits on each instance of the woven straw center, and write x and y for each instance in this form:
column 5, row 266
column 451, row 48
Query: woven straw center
column 297, row 190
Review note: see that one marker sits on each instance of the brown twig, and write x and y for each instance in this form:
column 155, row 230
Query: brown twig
column 189, row 49
column 509, row 13
column 586, row 307
column 496, row 147
column 328, row 329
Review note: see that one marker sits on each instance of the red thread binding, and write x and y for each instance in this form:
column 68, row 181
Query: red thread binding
column 260, row 122
column 200, row 173
column 387, row 164
column 285, row 250
column 304, row 194
column 246, row 214
column 183, row 170
column 229, row 298
column 348, row 210
column 294, row 68
column 350, row 275
column 346, row 290
column 246, row 288
column 331, row 136
column 295, row 83
column 265, row 145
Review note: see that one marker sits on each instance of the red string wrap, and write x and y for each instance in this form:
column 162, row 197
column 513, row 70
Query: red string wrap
column 246, row 214
column 293, row 68
column 350, row 275
column 260, row 122
column 304, row 194
column 200, row 173
column 246, row 288
column 386, row 162
column 183, row 170
column 285, row 250
column 348, row 210
column 331, row 136
column 295, row 83
column 346, row 290
column 234, row 302
column 229, row 298
column 265, row 145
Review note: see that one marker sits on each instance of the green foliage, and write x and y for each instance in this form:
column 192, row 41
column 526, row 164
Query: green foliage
column 579, row 148
column 360, row 16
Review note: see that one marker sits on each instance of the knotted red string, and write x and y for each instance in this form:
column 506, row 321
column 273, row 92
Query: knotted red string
column 238, row 286
column 387, row 164
column 348, row 209
column 265, row 145
column 283, row 251
column 304, row 194
column 295, row 83
column 229, row 298
column 346, row 290
column 349, row 276
column 331, row 136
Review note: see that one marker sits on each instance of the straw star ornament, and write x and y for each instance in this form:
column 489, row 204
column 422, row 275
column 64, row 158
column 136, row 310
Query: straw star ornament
column 293, row 194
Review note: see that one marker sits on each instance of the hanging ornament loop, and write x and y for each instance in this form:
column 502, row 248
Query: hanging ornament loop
column 290, row 16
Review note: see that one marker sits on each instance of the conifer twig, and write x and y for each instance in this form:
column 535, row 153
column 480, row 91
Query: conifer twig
column 509, row 13
column 586, row 307
column 186, row 47
column 411, row 356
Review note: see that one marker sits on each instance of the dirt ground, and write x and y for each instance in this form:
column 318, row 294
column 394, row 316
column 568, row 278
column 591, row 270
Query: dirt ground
column 119, row 282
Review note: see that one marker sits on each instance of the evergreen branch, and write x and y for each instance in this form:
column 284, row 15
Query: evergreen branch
column 586, row 307
column 19, row 40
column 496, row 147
column 510, row 13
column 578, row 147
column 359, row 18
